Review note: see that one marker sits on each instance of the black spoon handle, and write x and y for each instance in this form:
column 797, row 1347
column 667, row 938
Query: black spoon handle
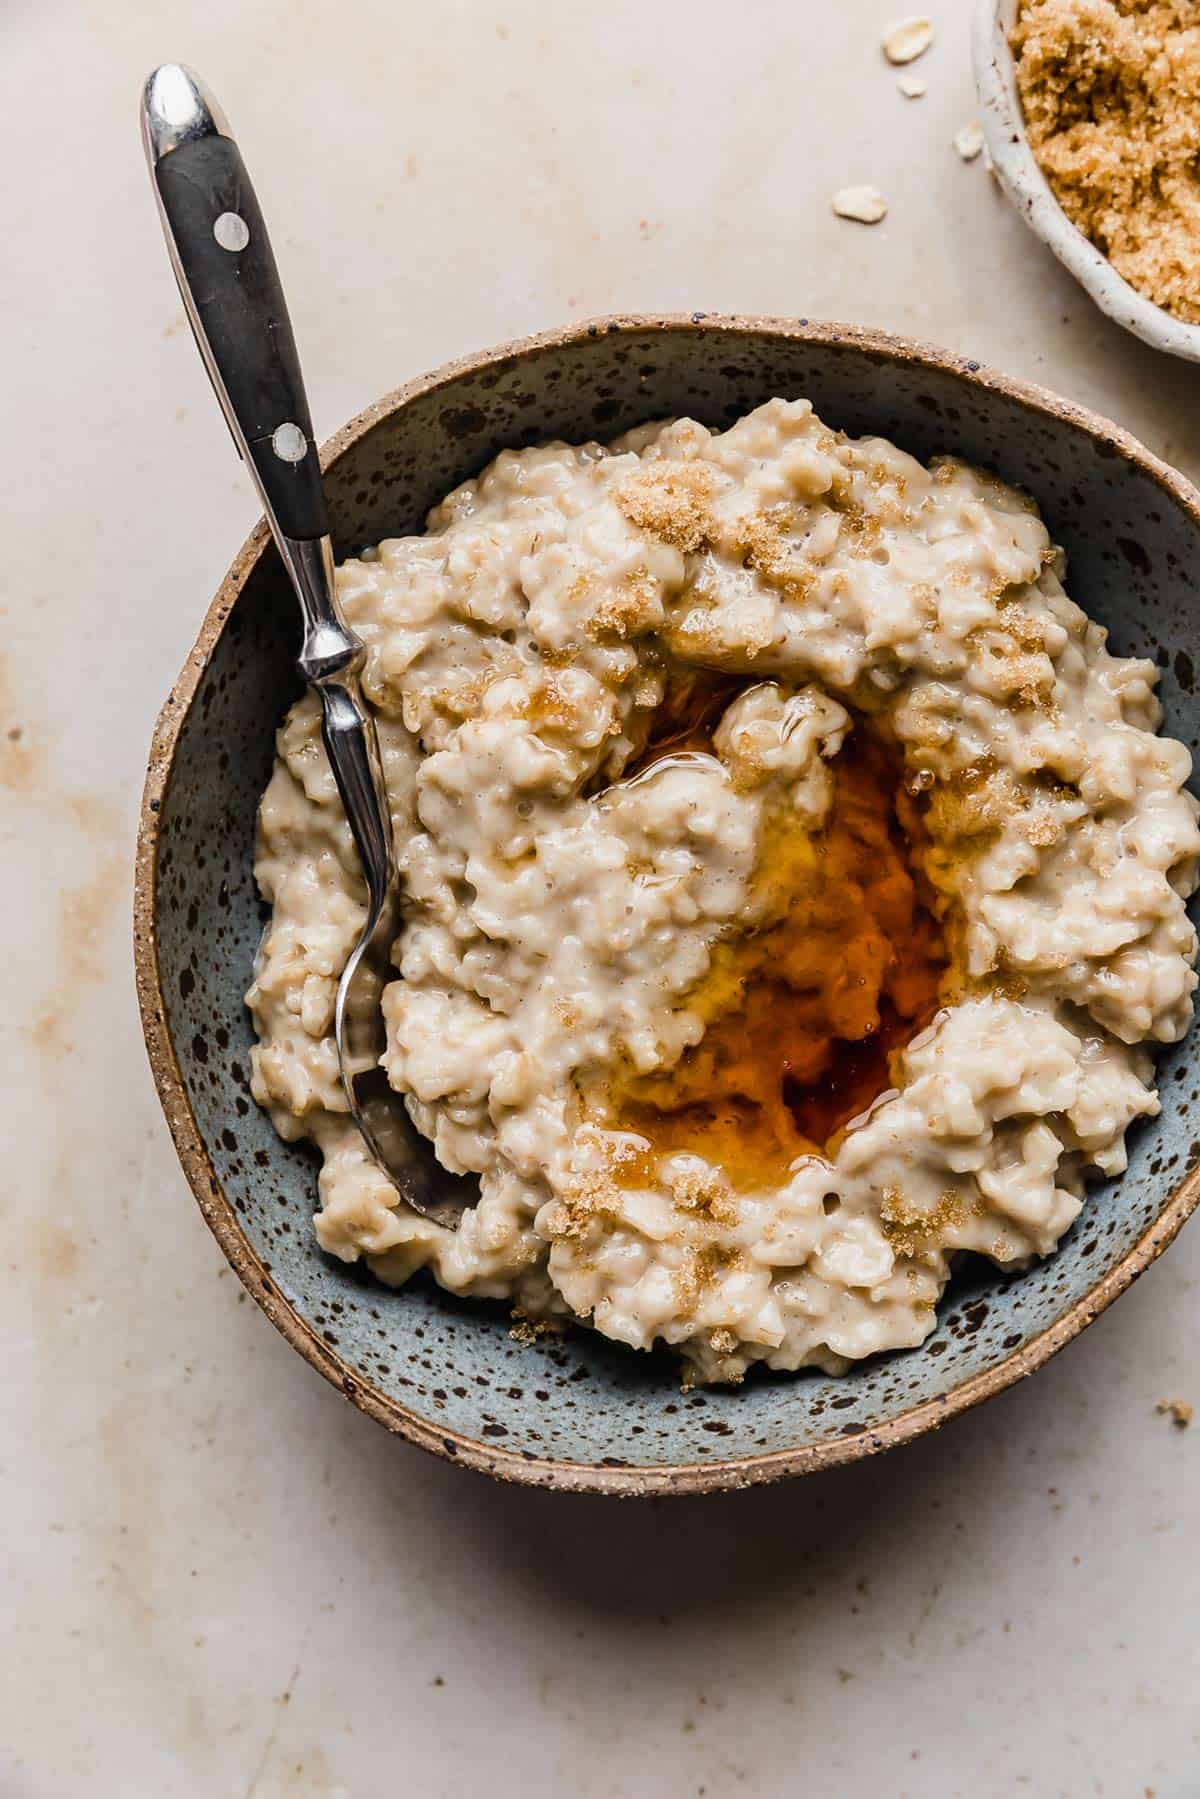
column 233, row 296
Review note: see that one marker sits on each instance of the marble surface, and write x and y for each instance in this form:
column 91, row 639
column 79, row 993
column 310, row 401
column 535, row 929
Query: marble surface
column 216, row 1578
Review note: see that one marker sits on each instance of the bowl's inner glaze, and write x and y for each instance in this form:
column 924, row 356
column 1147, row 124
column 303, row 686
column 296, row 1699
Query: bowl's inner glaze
column 1131, row 547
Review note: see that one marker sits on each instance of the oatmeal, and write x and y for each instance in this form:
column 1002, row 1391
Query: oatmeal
column 793, row 887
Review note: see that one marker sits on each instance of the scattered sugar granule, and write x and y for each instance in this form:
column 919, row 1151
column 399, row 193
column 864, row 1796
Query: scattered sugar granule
column 866, row 204
column 1179, row 1410
column 907, row 39
column 969, row 141
column 912, row 87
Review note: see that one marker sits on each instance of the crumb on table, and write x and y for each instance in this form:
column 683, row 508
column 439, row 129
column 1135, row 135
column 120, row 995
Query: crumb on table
column 1179, row 1411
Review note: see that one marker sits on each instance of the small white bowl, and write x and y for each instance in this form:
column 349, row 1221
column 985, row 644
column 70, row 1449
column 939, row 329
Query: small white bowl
column 1030, row 192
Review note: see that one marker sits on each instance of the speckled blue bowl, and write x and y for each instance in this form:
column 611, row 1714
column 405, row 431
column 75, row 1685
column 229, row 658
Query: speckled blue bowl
column 578, row 1413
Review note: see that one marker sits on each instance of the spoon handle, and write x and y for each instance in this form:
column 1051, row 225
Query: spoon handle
column 234, row 301
column 233, row 295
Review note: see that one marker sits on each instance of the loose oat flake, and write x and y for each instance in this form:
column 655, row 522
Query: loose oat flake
column 969, row 141
column 907, row 39
column 912, row 87
column 865, row 204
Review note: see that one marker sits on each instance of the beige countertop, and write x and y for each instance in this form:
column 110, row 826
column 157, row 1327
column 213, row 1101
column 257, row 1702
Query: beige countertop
column 216, row 1578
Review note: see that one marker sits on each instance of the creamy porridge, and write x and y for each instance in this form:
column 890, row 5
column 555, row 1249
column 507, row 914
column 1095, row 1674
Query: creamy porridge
column 793, row 884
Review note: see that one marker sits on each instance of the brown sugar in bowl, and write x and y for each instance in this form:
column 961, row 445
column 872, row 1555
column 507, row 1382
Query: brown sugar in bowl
column 1024, row 183
column 576, row 1412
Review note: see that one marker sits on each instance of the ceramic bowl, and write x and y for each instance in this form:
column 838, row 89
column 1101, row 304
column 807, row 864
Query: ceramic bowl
column 1031, row 194
column 577, row 1412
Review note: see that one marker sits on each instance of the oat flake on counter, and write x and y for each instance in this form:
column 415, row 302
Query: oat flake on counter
column 865, row 204
column 969, row 141
column 907, row 39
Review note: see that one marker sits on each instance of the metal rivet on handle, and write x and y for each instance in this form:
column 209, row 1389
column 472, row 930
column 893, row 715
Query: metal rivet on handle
column 289, row 443
column 231, row 231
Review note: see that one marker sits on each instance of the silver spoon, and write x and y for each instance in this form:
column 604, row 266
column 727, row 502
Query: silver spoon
column 234, row 301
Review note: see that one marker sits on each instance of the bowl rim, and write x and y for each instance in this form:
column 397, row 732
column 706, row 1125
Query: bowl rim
column 219, row 1213
column 1025, row 185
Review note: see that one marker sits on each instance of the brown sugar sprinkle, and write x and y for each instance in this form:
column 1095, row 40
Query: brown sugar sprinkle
column 620, row 614
column 1007, row 985
column 702, row 1266
column 528, row 1329
column 552, row 707
column 1023, row 629
column 1179, row 1411
column 910, row 1230
column 976, row 801
column 670, row 500
column 768, row 544
column 462, row 696
column 704, row 1192
column 1111, row 95
column 1042, row 830
column 588, row 1198
column 594, row 1194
